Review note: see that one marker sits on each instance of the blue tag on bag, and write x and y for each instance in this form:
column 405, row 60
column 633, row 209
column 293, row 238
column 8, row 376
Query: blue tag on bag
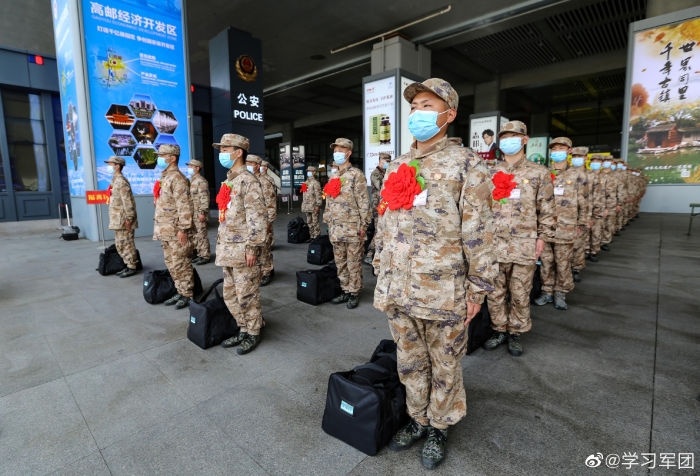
column 347, row 408
column 192, row 319
column 303, row 285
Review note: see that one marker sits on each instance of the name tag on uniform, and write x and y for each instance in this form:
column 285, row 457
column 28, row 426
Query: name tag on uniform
column 421, row 199
column 515, row 194
column 558, row 190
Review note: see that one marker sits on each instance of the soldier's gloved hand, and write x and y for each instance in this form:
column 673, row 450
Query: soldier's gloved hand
column 617, row 208
column 202, row 218
column 250, row 260
column 362, row 234
column 182, row 238
column 539, row 248
column 127, row 225
column 317, row 209
column 472, row 310
column 269, row 227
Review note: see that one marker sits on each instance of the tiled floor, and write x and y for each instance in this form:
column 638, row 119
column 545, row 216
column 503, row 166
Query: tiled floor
column 93, row 380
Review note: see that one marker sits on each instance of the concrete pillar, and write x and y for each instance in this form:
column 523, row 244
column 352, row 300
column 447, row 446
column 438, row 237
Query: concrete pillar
column 488, row 96
column 539, row 123
column 661, row 7
column 397, row 52
column 288, row 132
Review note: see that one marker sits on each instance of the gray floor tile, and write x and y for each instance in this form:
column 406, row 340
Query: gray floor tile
column 26, row 362
column 92, row 465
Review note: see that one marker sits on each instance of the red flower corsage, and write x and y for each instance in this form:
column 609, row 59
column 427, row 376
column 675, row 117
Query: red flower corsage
column 304, row 188
column 381, row 208
column 504, row 185
column 223, row 198
column 332, row 188
column 156, row 190
column 402, row 186
column 553, row 175
column 109, row 194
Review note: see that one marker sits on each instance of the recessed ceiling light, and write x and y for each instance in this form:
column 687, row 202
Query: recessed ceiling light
column 318, row 57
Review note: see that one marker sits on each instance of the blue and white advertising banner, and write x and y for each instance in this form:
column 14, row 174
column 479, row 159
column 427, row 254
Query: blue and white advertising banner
column 136, row 70
column 63, row 33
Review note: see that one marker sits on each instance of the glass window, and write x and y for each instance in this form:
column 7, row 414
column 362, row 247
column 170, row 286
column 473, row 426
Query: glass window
column 3, row 188
column 60, row 142
column 24, row 125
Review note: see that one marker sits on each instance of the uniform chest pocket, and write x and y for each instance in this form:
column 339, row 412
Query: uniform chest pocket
column 434, row 290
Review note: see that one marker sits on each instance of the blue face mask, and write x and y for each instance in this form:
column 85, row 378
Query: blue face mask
column 559, row 155
column 613, row 167
column 225, row 159
column 578, row 161
column 595, row 165
column 423, row 124
column 622, row 167
column 606, row 165
column 309, row 174
column 386, row 165
column 161, row 162
column 511, row 145
column 110, row 169
column 339, row 158
column 251, row 168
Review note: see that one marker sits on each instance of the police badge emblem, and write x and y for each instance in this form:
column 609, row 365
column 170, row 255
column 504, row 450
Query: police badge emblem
column 246, row 68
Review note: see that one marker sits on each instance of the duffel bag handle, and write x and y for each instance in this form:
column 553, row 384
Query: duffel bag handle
column 392, row 355
column 212, row 288
column 371, row 366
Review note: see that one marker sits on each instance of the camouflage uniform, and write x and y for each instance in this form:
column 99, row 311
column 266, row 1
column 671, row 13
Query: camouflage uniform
column 346, row 215
column 519, row 224
column 578, row 262
column 122, row 208
column 571, row 215
column 267, row 265
column 242, row 231
column 611, row 186
column 312, row 199
column 376, row 180
column 621, row 178
column 199, row 191
column 174, row 214
column 599, row 200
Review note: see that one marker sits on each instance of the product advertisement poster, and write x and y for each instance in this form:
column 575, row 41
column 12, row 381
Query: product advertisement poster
column 69, row 97
column 286, row 168
column 483, row 133
column 135, row 62
column 664, row 103
column 298, row 165
column 536, row 150
column 406, row 136
column 380, row 121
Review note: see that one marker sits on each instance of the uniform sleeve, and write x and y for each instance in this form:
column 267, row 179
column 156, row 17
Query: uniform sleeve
column 181, row 190
column 255, row 216
column 610, row 193
column 597, row 200
column 621, row 191
column 584, row 213
column 318, row 197
column 376, row 180
column 202, row 197
column 477, row 234
column 270, row 200
column 362, row 199
column 128, row 201
column 545, row 208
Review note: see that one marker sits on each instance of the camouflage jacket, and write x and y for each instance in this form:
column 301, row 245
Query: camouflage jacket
column 431, row 259
column 244, row 228
column 349, row 212
column 313, row 197
column 199, row 190
column 173, row 207
column 269, row 195
column 596, row 194
column 376, row 179
column 520, row 222
column 570, row 205
column 582, row 177
column 622, row 188
column 122, row 206
column 609, row 183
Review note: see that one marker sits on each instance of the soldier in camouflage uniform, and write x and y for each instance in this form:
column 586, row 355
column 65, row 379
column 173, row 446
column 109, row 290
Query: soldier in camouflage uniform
column 622, row 188
column 376, row 179
column 523, row 224
column 578, row 161
column 122, row 217
column 311, row 202
column 611, row 205
column 572, row 216
column 598, row 183
column 267, row 265
column 241, row 238
column 435, row 264
column 173, row 224
column 199, row 191
column 348, row 216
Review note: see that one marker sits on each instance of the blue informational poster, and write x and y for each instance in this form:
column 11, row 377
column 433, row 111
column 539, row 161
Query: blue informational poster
column 135, row 62
column 69, row 98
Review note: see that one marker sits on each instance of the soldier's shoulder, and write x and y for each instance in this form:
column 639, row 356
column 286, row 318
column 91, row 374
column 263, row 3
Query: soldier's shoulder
column 537, row 168
column 357, row 172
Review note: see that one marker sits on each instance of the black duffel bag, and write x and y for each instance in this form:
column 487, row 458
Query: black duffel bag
column 320, row 250
column 366, row 406
column 479, row 330
column 297, row 231
column 316, row 286
column 211, row 322
column 111, row 262
column 536, row 284
column 158, row 286
column 369, row 236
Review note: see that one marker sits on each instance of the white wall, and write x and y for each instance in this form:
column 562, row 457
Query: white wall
column 670, row 198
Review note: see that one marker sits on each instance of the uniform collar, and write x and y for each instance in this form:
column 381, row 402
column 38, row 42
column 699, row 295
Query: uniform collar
column 232, row 174
column 343, row 172
column 516, row 165
column 436, row 147
column 381, row 170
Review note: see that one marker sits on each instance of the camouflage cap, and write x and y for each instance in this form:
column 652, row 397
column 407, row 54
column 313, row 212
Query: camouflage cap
column 168, row 149
column 233, row 140
column 115, row 160
column 265, row 163
column 385, row 156
column 579, row 151
column 562, row 141
column 311, row 168
column 195, row 163
column 596, row 156
column 253, row 158
column 513, row 126
column 342, row 142
column 437, row 86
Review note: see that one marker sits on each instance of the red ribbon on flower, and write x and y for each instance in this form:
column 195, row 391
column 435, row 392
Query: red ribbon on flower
column 304, row 188
column 223, row 198
column 402, row 186
column 156, row 190
column 332, row 188
column 383, row 205
column 504, row 185
column 109, row 194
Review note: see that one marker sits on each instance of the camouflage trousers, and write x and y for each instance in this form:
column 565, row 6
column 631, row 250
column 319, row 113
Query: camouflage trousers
column 556, row 267
column 578, row 262
column 242, row 297
column 596, row 234
column 348, row 259
column 314, row 224
column 178, row 260
column 266, row 263
column 620, row 219
column 429, row 355
column 201, row 238
column 609, row 228
column 516, row 280
column 371, row 248
column 124, row 241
